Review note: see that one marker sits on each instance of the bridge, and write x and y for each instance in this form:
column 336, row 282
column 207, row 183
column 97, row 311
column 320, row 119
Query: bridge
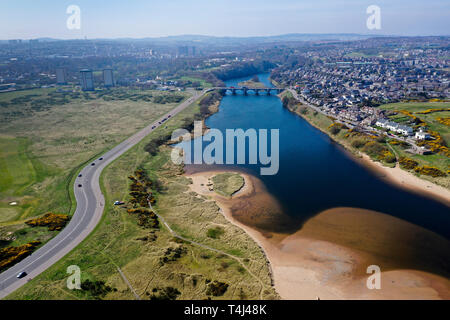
column 246, row 90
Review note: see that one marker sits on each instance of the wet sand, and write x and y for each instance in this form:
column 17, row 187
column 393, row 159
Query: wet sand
column 328, row 257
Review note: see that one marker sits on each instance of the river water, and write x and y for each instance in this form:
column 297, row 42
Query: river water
column 315, row 173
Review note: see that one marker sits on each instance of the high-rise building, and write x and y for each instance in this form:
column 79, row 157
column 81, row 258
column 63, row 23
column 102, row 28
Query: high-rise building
column 87, row 80
column 61, row 76
column 108, row 77
column 192, row 51
column 183, row 51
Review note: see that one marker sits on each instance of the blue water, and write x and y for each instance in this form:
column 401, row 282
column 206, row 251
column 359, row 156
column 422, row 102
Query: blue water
column 315, row 173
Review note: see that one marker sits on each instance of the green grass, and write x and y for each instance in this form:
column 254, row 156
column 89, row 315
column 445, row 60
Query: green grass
column 203, row 83
column 226, row 184
column 42, row 149
column 435, row 160
column 430, row 118
column 114, row 241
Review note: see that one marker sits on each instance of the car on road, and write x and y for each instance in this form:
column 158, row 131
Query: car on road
column 80, row 175
column 93, row 164
column 79, row 186
column 153, row 127
column 21, row 275
column 118, row 203
column 169, row 116
column 100, row 159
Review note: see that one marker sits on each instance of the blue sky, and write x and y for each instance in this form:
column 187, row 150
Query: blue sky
column 151, row 18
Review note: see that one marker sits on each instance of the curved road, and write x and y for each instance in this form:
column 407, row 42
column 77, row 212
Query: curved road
column 90, row 205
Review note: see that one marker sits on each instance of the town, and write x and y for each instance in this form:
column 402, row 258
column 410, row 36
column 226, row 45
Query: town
column 349, row 82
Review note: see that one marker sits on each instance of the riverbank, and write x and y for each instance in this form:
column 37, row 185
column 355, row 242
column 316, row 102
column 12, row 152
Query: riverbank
column 328, row 257
column 392, row 174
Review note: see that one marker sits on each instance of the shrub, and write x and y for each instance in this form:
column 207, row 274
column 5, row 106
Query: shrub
column 335, row 130
column 303, row 110
column 430, row 171
column 167, row 293
column 98, row 289
column 407, row 163
column 390, row 158
column 359, row 143
column 11, row 255
column 51, row 220
column 216, row 288
column 215, row 233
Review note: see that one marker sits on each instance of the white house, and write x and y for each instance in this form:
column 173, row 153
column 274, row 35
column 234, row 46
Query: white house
column 422, row 135
column 393, row 126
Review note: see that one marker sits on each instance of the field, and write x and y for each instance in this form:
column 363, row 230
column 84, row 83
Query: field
column 157, row 265
column 430, row 118
column 47, row 136
column 192, row 80
column 419, row 110
column 226, row 184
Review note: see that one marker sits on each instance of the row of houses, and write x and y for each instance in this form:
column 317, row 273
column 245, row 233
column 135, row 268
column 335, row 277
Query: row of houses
column 394, row 126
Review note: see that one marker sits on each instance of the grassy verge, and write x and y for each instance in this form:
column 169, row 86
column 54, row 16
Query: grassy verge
column 146, row 256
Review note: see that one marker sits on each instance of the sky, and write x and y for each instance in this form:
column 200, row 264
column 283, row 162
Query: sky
column 28, row 19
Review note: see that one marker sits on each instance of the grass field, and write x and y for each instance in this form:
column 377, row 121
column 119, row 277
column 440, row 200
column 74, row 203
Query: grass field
column 439, row 161
column 46, row 137
column 203, row 83
column 119, row 242
column 226, row 184
column 430, row 118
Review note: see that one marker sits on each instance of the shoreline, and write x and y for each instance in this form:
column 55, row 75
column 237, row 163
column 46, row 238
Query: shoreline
column 313, row 263
column 394, row 176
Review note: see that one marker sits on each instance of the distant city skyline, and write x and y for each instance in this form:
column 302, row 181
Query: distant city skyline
column 27, row 19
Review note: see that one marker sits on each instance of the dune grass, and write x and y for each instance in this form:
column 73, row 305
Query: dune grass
column 226, row 184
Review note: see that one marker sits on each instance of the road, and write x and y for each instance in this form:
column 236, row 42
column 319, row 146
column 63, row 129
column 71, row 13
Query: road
column 90, row 206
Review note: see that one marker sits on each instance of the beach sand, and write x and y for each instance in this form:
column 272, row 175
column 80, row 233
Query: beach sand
column 407, row 180
column 328, row 257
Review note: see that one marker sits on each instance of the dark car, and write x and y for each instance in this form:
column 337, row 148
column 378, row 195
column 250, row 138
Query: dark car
column 153, row 127
column 169, row 116
column 100, row 159
column 92, row 164
column 80, row 175
column 79, row 186
column 21, row 275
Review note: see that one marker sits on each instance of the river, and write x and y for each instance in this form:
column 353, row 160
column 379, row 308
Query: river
column 315, row 173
